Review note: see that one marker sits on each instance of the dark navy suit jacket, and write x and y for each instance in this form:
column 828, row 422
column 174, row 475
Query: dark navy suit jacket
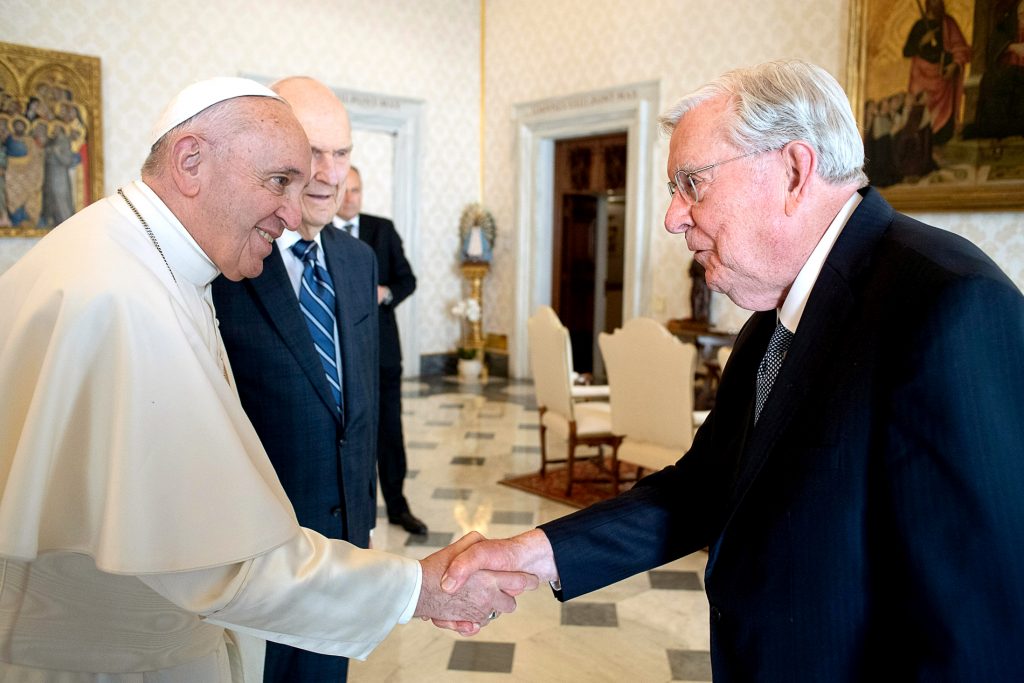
column 393, row 272
column 329, row 472
column 871, row 525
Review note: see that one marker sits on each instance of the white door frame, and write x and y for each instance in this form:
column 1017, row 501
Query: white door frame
column 539, row 124
column 402, row 118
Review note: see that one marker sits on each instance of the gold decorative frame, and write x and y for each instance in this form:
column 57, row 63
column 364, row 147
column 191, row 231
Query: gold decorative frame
column 59, row 93
column 876, row 66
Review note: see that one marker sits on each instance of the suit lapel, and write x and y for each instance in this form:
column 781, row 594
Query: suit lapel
column 348, row 279
column 274, row 290
column 754, row 448
column 824, row 320
column 367, row 230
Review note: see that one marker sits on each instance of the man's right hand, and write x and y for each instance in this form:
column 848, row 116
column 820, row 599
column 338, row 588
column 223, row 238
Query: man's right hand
column 529, row 552
column 467, row 606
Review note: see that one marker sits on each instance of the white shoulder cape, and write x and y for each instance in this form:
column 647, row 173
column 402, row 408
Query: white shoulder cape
column 119, row 436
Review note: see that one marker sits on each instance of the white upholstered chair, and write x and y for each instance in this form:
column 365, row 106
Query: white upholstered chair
column 574, row 422
column 589, row 392
column 651, row 375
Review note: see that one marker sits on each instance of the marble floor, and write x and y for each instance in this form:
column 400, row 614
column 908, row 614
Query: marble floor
column 461, row 440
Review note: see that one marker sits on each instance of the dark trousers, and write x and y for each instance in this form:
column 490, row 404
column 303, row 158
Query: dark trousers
column 284, row 664
column 391, row 464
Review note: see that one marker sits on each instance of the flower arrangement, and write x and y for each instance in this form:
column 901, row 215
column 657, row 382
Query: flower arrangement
column 467, row 311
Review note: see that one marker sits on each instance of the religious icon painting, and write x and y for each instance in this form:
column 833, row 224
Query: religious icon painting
column 51, row 138
column 938, row 88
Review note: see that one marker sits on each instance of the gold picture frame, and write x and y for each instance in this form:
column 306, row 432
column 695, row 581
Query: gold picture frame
column 51, row 138
column 972, row 169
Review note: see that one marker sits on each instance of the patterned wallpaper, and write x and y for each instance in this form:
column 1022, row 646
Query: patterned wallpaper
column 374, row 155
column 430, row 51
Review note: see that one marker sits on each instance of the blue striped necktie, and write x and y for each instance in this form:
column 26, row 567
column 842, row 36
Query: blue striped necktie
column 316, row 300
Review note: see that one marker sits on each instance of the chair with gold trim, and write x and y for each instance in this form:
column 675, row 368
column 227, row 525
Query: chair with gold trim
column 577, row 423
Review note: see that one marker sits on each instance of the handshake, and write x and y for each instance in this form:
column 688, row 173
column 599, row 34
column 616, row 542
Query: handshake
column 473, row 580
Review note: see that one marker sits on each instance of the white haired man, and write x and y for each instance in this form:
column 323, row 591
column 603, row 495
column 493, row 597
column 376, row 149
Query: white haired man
column 858, row 481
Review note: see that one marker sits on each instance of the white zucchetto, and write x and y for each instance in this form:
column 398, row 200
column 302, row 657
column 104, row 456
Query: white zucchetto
column 202, row 94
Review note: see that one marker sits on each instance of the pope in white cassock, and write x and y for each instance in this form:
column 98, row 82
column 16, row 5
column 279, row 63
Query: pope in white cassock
column 139, row 515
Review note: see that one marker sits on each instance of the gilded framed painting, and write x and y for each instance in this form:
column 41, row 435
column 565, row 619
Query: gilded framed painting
column 938, row 89
column 51, row 137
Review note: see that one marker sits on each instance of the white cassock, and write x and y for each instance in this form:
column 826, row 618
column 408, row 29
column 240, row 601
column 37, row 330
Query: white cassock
column 139, row 514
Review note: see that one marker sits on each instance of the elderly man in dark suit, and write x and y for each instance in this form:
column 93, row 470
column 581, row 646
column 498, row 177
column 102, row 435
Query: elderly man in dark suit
column 395, row 282
column 859, row 481
column 314, row 406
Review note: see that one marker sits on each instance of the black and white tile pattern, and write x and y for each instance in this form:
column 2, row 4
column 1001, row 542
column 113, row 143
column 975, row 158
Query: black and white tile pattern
column 461, row 439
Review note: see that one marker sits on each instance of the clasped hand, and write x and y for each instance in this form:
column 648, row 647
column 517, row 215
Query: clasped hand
column 474, row 578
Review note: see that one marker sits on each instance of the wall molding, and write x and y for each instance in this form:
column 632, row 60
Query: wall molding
column 539, row 124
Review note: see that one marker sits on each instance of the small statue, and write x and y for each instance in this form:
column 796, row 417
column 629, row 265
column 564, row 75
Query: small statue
column 476, row 235
column 476, row 247
column 700, row 294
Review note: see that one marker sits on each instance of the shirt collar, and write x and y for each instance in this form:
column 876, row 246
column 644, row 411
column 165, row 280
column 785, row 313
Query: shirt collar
column 290, row 237
column 793, row 307
column 184, row 255
column 340, row 222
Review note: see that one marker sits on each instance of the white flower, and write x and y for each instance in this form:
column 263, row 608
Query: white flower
column 472, row 310
column 468, row 309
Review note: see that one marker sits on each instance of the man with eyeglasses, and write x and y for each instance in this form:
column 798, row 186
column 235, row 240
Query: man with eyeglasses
column 859, row 480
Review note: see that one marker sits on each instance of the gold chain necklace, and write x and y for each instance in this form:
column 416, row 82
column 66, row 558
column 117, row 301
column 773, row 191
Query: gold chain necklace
column 149, row 232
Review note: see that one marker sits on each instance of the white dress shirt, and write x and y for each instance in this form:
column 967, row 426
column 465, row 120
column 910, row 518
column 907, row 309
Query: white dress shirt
column 793, row 307
column 340, row 223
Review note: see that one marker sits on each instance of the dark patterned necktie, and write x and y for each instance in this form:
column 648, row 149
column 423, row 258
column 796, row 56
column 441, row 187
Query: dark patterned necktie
column 768, row 370
column 348, row 227
column 316, row 300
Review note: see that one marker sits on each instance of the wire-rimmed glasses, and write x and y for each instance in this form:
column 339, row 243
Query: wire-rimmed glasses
column 688, row 182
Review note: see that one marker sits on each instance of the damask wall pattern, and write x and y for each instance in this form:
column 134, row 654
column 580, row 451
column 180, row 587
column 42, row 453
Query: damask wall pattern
column 534, row 49
column 373, row 154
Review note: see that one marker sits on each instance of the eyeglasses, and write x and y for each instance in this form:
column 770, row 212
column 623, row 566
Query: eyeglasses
column 690, row 187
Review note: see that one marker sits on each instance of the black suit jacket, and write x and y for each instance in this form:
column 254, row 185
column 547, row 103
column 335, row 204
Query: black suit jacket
column 393, row 272
column 328, row 472
column 871, row 525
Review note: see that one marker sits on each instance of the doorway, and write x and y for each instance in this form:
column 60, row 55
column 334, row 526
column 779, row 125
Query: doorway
column 539, row 125
column 588, row 241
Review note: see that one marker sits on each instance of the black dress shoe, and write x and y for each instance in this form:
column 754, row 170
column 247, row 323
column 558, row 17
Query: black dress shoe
column 409, row 522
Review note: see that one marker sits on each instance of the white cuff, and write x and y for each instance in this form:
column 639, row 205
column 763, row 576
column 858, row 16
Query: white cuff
column 411, row 607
